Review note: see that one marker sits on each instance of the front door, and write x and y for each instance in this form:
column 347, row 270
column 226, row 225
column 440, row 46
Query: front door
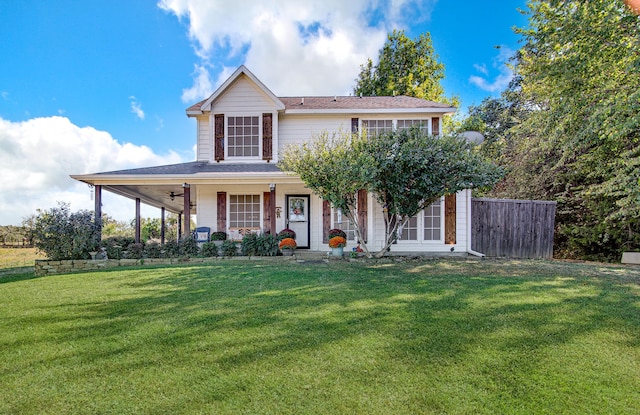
column 298, row 216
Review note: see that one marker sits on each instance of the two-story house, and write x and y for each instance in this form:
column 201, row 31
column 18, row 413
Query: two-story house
column 235, row 186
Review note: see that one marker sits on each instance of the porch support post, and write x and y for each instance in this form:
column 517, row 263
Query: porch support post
column 137, row 220
column 179, row 233
column 162, row 225
column 98, row 209
column 272, row 209
column 187, row 209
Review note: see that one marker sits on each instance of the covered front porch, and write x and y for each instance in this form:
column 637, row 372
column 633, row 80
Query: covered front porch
column 186, row 189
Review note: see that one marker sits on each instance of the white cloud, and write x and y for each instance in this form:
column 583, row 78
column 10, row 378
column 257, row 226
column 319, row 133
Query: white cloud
column 136, row 108
column 4, row 95
column 501, row 81
column 294, row 47
column 37, row 156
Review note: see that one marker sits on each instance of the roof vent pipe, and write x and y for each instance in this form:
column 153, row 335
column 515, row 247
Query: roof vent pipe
column 302, row 101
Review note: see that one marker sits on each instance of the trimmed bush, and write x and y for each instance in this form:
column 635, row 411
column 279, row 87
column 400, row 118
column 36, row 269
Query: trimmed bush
column 209, row 249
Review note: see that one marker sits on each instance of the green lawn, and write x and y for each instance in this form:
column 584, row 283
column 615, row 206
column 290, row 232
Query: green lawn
column 422, row 337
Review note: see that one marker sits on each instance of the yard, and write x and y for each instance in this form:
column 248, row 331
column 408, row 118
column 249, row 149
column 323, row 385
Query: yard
column 420, row 337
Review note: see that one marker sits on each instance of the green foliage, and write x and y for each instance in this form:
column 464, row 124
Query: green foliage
column 405, row 67
column 259, row 245
column 229, row 248
column 188, row 247
column 286, row 233
column 405, row 170
column 116, row 245
column 171, row 249
column 209, row 249
column 578, row 78
column 152, row 249
column 150, row 228
column 135, row 251
column 219, row 236
column 61, row 234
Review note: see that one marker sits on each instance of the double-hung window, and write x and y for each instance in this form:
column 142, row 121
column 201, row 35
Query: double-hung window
column 375, row 127
column 243, row 136
column 340, row 221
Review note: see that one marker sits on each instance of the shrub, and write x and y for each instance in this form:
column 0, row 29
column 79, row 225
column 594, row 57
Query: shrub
column 286, row 233
column 259, row 245
column 152, row 250
column 336, row 232
column 337, row 242
column 229, row 248
column 116, row 245
column 135, row 251
column 219, row 236
column 60, row 234
column 188, row 247
column 171, row 249
column 209, row 249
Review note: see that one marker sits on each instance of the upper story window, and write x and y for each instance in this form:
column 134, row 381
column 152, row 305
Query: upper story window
column 375, row 127
column 243, row 135
column 406, row 124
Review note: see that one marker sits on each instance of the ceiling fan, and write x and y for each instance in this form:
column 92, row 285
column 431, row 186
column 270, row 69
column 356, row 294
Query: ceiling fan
column 173, row 195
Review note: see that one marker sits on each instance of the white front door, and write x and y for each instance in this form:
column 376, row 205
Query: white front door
column 298, row 216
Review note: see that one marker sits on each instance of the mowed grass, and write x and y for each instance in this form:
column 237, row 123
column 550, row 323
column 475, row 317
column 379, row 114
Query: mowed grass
column 232, row 337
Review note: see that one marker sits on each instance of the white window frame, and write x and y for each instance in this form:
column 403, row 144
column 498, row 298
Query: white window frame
column 227, row 140
column 260, row 212
column 420, row 226
column 428, row 122
column 337, row 218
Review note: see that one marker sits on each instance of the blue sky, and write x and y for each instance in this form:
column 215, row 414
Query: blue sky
column 96, row 86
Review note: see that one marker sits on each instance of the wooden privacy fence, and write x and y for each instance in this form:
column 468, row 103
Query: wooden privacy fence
column 512, row 228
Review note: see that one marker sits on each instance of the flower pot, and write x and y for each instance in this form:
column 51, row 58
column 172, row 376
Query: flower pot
column 337, row 251
column 287, row 252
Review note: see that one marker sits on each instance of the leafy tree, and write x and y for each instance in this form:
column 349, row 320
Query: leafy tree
column 405, row 67
column 61, row 234
column 580, row 75
column 334, row 167
column 405, row 170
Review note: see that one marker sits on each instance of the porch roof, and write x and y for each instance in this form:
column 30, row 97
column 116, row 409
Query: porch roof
column 162, row 186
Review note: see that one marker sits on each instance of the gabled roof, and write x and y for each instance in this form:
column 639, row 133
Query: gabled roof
column 328, row 104
column 205, row 105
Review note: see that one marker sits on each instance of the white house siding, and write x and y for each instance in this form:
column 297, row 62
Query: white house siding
column 377, row 230
column 298, row 128
column 243, row 97
column 205, row 139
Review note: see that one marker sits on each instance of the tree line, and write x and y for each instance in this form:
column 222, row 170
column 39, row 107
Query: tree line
column 566, row 129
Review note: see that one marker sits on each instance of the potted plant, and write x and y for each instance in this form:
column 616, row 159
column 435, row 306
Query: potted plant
column 287, row 245
column 337, row 232
column 286, row 233
column 337, row 244
column 218, row 238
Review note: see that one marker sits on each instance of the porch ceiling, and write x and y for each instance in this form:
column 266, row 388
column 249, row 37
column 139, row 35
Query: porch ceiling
column 154, row 195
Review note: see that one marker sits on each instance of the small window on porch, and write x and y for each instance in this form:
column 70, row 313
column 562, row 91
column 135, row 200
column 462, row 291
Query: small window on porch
column 244, row 211
column 340, row 221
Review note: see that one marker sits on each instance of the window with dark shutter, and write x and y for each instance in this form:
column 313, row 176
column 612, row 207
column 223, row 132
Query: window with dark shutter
column 267, row 137
column 219, row 137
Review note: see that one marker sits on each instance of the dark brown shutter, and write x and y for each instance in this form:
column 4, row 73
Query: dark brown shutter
column 222, row 211
column 326, row 220
column 267, row 137
column 219, row 137
column 362, row 213
column 354, row 125
column 450, row 219
column 266, row 212
column 435, row 126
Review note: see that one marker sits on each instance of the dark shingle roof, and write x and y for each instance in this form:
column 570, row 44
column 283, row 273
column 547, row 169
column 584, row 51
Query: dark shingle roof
column 349, row 102
column 195, row 167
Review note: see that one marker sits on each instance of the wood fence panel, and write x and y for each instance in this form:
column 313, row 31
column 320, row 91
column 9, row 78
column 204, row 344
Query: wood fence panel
column 513, row 228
